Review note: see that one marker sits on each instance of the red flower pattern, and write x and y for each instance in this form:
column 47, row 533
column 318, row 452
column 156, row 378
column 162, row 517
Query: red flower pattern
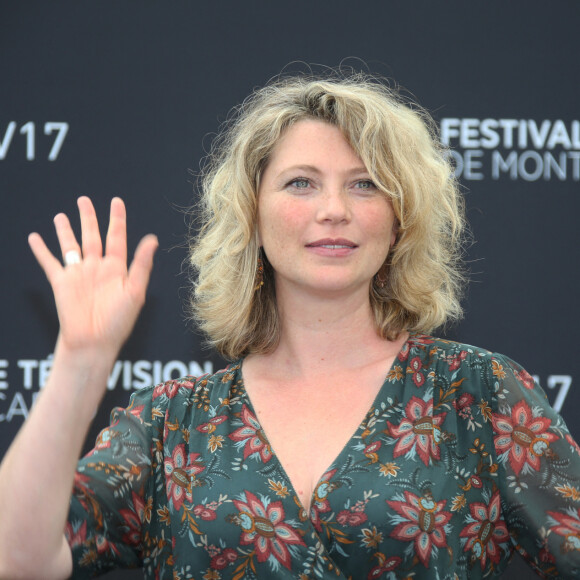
column 204, row 513
column 180, row 470
column 221, row 560
column 424, row 524
column 455, row 361
column 414, row 368
column 251, row 432
column 567, row 525
column 133, row 519
column 212, row 424
column 418, row 431
column 263, row 526
column 388, row 565
column 136, row 411
column 525, row 378
column 463, row 405
column 351, row 518
column 171, row 388
column 320, row 503
column 526, row 438
column 486, row 532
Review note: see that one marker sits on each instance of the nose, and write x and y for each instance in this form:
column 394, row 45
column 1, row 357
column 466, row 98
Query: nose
column 334, row 205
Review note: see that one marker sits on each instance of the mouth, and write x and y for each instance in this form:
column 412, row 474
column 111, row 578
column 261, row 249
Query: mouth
column 332, row 244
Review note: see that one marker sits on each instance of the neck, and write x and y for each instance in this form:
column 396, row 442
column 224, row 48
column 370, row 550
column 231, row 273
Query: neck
column 319, row 333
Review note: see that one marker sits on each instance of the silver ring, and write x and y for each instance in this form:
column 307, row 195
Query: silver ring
column 72, row 257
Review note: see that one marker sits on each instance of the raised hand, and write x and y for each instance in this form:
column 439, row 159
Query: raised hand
column 98, row 299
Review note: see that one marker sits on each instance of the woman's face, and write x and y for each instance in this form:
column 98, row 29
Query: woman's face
column 323, row 224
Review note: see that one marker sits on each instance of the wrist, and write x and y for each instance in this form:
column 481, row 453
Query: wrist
column 96, row 357
column 79, row 376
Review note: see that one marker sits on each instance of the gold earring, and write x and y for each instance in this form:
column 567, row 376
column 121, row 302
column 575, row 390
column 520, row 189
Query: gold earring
column 259, row 274
column 381, row 276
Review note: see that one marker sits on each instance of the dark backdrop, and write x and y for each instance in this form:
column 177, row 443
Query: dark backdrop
column 109, row 99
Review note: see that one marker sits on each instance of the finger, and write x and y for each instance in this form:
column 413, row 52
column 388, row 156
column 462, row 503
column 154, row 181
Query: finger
column 92, row 245
column 140, row 269
column 66, row 237
column 44, row 256
column 116, row 244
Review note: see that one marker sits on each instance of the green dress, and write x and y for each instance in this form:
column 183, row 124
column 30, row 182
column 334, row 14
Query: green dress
column 459, row 462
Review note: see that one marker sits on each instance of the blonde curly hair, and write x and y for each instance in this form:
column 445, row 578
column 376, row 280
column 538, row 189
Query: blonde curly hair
column 397, row 143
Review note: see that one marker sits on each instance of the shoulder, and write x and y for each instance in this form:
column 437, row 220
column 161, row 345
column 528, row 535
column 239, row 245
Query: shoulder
column 156, row 401
column 445, row 348
column 188, row 386
column 454, row 353
column 454, row 359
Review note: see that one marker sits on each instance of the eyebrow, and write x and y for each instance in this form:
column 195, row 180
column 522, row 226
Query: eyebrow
column 314, row 169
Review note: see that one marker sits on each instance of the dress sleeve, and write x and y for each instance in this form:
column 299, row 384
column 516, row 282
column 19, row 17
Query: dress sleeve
column 539, row 472
column 111, row 497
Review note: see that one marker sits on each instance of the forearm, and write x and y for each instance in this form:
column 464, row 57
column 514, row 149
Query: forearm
column 98, row 300
column 36, row 475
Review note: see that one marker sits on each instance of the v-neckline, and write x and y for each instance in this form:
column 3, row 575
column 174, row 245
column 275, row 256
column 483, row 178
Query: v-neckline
column 347, row 443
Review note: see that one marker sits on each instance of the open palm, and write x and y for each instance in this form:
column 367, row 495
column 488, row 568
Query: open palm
column 98, row 300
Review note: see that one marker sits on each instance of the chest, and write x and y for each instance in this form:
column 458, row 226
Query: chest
column 373, row 494
column 308, row 424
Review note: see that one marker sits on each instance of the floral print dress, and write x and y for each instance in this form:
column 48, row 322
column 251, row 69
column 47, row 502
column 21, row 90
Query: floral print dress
column 459, row 462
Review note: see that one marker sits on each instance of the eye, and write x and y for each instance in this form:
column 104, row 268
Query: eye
column 299, row 183
column 365, row 185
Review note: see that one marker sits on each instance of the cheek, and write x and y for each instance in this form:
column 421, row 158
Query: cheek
column 279, row 222
column 381, row 224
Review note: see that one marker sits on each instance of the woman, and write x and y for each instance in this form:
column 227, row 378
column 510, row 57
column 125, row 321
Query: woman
column 341, row 442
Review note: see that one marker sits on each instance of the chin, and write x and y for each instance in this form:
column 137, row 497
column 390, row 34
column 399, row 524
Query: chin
column 340, row 287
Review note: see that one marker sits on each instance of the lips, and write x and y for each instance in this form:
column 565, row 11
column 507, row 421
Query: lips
column 333, row 244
